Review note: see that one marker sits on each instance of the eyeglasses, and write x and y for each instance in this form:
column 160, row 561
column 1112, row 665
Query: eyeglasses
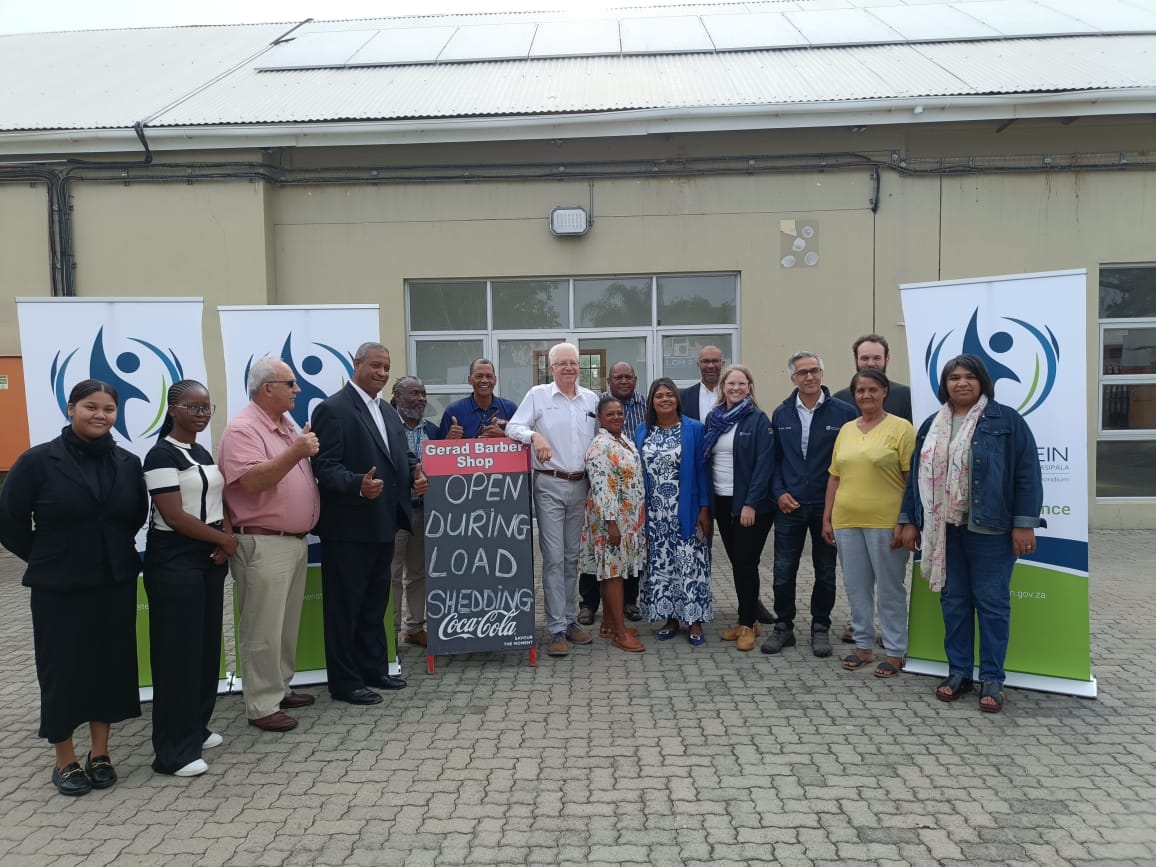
column 198, row 409
column 565, row 364
column 289, row 382
column 711, row 361
column 811, row 371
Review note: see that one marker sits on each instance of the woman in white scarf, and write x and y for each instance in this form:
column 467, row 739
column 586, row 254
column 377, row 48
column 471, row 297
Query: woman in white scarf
column 974, row 502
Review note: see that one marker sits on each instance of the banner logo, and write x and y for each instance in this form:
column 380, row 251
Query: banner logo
column 308, row 372
column 1020, row 353
column 135, row 372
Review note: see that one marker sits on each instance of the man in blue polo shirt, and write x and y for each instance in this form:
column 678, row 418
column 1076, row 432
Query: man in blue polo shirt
column 805, row 426
column 481, row 414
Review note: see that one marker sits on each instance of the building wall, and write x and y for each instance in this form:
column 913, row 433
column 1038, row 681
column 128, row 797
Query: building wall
column 241, row 242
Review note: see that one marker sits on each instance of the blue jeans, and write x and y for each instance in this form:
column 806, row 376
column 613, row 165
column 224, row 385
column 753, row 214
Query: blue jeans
column 979, row 570
column 790, row 536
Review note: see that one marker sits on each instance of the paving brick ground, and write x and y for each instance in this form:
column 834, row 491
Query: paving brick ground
column 674, row 756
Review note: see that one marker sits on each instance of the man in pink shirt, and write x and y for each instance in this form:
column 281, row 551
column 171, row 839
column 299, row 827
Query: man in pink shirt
column 272, row 501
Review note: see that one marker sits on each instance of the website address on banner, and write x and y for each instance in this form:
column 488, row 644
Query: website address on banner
column 1028, row 594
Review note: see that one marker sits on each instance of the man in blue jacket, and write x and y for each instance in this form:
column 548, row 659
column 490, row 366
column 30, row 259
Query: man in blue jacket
column 805, row 426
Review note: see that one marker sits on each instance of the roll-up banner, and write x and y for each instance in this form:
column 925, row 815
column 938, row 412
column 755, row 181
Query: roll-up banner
column 1030, row 331
column 318, row 343
column 140, row 346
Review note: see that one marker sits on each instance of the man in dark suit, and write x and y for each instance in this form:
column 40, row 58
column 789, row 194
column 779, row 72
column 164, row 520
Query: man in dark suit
column 365, row 473
column 699, row 399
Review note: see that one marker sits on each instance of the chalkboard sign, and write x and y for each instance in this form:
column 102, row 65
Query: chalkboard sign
column 478, row 546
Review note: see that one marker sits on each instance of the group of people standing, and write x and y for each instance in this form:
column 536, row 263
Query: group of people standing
column 71, row 509
column 628, row 490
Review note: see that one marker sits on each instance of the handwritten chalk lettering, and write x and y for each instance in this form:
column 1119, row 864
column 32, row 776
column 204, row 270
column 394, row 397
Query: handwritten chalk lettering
column 467, row 601
column 493, row 488
column 480, row 523
column 497, row 564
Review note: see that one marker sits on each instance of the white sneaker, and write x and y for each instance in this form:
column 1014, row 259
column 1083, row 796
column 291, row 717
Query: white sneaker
column 192, row 769
column 213, row 740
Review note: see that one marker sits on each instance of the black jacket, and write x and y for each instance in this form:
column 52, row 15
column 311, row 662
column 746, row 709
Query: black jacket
column 53, row 520
column 350, row 444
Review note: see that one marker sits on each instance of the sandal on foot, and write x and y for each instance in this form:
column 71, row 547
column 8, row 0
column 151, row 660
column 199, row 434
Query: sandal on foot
column 953, row 686
column 854, row 662
column 993, row 690
column 668, row 632
column 888, row 669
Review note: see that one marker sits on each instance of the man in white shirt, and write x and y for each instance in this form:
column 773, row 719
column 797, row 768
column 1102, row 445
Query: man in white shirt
column 558, row 421
column 699, row 399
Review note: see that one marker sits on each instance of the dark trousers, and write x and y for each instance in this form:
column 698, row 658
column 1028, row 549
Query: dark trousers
column 744, row 547
column 185, row 611
column 355, row 581
column 791, row 529
column 589, row 595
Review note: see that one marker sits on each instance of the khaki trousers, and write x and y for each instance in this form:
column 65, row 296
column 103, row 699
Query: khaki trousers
column 407, row 574
column 269, row 574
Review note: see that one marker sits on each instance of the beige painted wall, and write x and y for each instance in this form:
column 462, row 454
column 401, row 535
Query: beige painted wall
column 241, row 242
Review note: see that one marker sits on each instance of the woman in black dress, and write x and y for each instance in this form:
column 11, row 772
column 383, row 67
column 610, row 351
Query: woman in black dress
column 189, row 544
column 70, row 508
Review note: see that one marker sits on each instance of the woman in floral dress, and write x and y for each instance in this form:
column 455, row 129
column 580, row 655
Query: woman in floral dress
column 678, row 520
column 614, row 537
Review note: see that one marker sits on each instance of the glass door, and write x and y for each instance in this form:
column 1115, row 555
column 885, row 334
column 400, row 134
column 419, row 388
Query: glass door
column 632, row 347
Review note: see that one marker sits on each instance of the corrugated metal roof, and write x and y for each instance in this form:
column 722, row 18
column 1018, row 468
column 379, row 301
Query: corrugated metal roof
column 210, row 76
column 598, row 84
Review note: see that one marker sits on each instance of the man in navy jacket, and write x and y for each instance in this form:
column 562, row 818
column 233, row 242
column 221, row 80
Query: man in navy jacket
column 805, row 427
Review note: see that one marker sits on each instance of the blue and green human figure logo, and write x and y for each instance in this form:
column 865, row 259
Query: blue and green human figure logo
column 141, row 373
column 1022, row 355
column 320, row 364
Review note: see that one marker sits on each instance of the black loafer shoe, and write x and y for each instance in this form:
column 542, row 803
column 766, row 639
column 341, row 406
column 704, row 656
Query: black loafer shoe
column 100, row 771
column 71, row 780
column 763, row 615
column 361, row 695
column 389, row 681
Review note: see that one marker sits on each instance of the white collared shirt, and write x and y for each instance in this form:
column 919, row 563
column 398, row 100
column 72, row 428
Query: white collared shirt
column 373, row 404
column 805, row 417
column 707, row 399
column 568, row 424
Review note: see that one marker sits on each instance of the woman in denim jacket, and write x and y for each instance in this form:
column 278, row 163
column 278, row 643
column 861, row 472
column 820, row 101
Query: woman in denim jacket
column 974, row 502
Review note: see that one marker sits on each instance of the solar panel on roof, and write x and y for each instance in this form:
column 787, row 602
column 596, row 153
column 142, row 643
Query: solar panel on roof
column 490, row 42
column 932, row 22
column 576, row 38
column 315, row 50
column 409, row 45
column 1111, row 16
column 659, row 35
column 752, row 30
column 1021, row 18
column 842, row 27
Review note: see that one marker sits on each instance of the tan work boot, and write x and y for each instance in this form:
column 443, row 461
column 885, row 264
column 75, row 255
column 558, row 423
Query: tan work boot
column 745, row 640
column 558, row 646
column 732, row 634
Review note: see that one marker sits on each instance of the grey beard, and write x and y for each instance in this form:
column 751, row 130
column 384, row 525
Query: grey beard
column 410, row 414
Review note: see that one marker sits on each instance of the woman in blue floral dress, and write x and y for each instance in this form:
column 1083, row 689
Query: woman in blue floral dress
column 678, row 520
column 614, row 536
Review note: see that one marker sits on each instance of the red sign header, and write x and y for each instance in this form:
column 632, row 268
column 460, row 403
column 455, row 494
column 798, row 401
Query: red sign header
column 466, row 457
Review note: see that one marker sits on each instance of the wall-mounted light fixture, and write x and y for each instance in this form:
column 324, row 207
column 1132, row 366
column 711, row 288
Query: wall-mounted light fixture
column 570, row 221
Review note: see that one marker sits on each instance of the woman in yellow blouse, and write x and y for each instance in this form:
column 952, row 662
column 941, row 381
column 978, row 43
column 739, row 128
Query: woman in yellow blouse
column 869, row 469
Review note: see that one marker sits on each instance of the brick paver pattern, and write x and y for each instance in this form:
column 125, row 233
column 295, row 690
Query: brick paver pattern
column 673, row 756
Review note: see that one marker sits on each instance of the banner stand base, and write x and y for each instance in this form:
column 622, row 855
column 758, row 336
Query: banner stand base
column 1017, row 679
column 302, row 678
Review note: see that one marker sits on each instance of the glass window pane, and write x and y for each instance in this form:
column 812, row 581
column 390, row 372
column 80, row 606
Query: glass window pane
column 438, row 401
column 531, row 304
column 1125, row 469
column 680, row 354
column 612, row 302
column 1129, row 350
column 516, row 366
column 446, row 362
column 1127, row 293
column 1129, row 407
column 697, row 299
column 447, row 306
